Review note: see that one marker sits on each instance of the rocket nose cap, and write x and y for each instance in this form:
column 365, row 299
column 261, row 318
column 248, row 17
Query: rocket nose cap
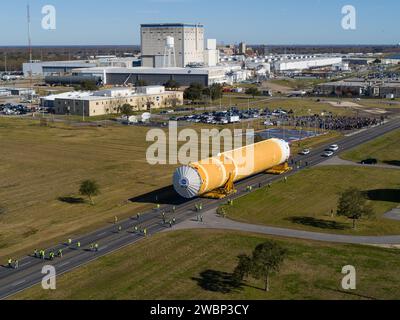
column 187, row 182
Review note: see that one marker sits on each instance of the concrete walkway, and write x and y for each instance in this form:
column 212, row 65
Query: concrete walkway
column 393, row 215
column 214, row 221
column 337, row 161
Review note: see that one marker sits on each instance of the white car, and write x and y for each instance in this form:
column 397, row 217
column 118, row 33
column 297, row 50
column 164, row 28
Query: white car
column 328, row 154
column 305, row 152
column 334, row 148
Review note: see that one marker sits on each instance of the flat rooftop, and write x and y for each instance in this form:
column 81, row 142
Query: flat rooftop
column 148, row 70
column 363, row 83
column 171, row 25
column 97, row 95
column 307, row 59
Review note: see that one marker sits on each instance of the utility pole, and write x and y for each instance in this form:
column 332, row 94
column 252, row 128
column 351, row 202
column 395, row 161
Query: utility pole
column 5, row 62
column 30, row 52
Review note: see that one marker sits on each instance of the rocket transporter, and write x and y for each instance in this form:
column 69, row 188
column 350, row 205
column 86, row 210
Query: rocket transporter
column 215, row 177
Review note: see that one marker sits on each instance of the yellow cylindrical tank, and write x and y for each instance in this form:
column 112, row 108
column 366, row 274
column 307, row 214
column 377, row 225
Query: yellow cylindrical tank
column 207, row 175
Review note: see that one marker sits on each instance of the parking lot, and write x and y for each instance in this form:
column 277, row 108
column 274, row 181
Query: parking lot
column 9, row 109
column 288, row 135
column 232, row 115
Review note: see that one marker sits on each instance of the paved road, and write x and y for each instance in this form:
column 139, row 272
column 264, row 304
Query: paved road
column 29, row 273
column 213, row 221
column 337, row 161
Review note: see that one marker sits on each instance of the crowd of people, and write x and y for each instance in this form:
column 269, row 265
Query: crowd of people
column 331, row 122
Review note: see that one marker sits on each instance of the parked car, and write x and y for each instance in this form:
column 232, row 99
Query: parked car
column 370, row 161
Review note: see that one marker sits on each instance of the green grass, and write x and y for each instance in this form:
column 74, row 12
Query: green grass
column 306, row 200
column 385, row 149
column 379, row 103
column 40, row 165
column 41, row 171
column 193, row 264
column 297, row 84
column 307, row 106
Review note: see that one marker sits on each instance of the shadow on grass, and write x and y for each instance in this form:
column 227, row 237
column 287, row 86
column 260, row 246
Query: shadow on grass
column 392, row 162
column 389, row 195
column 350, row 293
column 72, row 200
column 163, row 196
column 217, row 281
column 318, row 223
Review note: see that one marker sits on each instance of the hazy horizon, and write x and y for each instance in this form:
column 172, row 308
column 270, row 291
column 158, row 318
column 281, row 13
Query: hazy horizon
column 287, row 22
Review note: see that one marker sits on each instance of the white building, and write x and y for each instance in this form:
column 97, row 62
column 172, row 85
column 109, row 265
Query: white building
column 300, row 63
column 188, row 44
column 341, row 67
column 46, row 68
column 211, row 54
column 4, row 92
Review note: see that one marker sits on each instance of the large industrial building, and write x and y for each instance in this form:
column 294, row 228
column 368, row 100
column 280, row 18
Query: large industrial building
column 360, row 87
column 301, row 63
column 169, row 52
column 185, row 40
column 108, row 101
column 47, row 68
column 160, row 76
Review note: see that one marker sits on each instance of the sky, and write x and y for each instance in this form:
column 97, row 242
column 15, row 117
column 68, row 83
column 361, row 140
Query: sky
column 286, row 22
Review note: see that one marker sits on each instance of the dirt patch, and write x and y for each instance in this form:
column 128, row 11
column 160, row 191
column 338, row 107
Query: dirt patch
column 356, row 106
column 276, row 87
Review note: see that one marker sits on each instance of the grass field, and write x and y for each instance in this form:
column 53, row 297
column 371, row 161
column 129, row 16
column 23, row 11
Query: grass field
column 379, row 103
column 41, row 169
column 385, row 149
column 198, row 265
column 306, row 200
column 40, row 172
column 307, row 106
column 297, row 84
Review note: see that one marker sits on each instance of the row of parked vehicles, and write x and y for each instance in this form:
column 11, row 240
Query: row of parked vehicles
column 233, row 115
column 11, row 109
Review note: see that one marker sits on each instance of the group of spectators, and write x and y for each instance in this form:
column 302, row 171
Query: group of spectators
column 331, row 122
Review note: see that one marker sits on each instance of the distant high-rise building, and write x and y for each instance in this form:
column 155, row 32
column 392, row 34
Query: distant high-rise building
column 188, row 42
column 242, row 48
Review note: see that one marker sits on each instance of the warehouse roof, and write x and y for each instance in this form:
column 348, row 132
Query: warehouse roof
column 148, row 70
column 171, row 25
